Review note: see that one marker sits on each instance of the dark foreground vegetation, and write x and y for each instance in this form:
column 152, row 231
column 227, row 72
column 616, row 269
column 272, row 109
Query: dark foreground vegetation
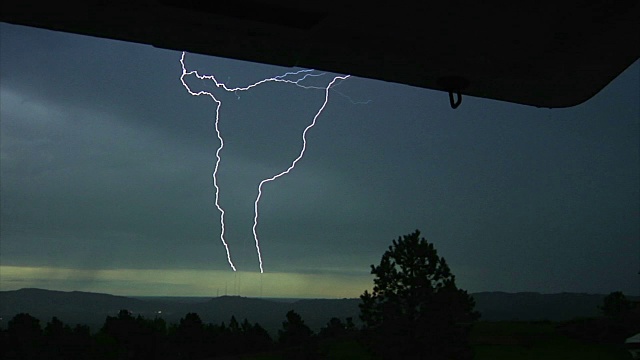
column 414, row 311
column 127, row 337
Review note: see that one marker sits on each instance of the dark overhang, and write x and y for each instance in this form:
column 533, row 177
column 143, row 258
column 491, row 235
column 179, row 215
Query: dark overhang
column 546, row 54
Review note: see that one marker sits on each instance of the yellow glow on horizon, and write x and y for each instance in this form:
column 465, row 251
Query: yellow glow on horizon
column 185, row 282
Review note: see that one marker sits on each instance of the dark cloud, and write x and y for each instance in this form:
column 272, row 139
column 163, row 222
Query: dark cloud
column 107, row 162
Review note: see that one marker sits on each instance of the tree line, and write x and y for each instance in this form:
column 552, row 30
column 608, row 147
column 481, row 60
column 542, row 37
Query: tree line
column 126, row 336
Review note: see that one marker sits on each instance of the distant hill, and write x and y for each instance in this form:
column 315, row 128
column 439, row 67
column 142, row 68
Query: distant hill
column 75, row 301
column 270, row 314
column 92, row 308
column 73, row 307
column 497, row 306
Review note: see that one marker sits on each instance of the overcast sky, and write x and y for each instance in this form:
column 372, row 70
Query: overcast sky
column 107, row 160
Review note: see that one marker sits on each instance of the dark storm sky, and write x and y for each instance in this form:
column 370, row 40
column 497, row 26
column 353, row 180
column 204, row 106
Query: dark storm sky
column 106, row 165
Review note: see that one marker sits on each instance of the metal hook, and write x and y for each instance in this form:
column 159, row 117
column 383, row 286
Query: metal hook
column 453, row 85
column 456, row 103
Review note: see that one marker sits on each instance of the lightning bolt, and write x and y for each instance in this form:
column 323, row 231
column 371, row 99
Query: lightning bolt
column 302, row 75
column 291, row 167
column 215, row 169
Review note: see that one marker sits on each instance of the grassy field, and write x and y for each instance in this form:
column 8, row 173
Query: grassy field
column 491, row 341
column 342, row 349
column 525, row 340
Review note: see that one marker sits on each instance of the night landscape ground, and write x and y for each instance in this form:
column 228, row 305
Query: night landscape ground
column 534, row 326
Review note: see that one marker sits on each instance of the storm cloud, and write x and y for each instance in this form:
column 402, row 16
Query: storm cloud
column 106, row 166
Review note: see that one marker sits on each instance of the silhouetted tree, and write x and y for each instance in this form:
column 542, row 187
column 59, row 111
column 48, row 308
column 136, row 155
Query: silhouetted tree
column 56, row 328
column 4, row 343
column 239, row 338
column 234, row 327
column 294, row 331
column 25, row 338
column 246, row 326
column 118, row 335
column 621, row 318
column 616, row 304
column 297, row 338
column 128, row 337
column 57, row 338
column 257, row 338
column 62, row 342
column 349, row 325
column 81, row 342
column 232, row 339
column 335, row 328
column 191, row 337
column 415, row 309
